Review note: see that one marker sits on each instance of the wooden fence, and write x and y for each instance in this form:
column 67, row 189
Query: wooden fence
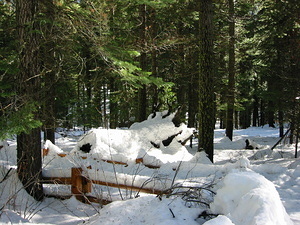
column 81, row 185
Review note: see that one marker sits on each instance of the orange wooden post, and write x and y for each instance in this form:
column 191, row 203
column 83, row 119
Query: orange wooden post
column 76, row 187
column 80, row 184
column 139, row 160
column 86, row 185
column 45, row 151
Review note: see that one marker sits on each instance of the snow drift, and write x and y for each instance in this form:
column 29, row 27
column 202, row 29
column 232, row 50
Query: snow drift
column 248, row 198
column 147, row 210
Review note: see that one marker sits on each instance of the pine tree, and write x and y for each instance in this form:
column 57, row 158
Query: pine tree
column 206, row 79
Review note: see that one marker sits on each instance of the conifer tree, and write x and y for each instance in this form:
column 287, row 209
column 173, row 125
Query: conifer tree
column 206, row 79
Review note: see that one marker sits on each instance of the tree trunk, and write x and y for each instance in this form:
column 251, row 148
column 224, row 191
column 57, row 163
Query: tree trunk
column 113, row 106
column 255, row 116
column 255, row 112
column 142, row 92
column 271, row 118
column 154, row 63
column 30, row 162
column 49, row 72
column 262, row 120
column 105, row 116
column 231, row 73
column 245, row 118
column 142, row 104
column 192, row 106
column 29, row 144
column 193, row 88
column 155, row 100
column 206, row 79
column 182, row 76
column 281, row 125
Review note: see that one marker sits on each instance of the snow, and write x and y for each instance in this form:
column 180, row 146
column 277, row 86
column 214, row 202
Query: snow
column 242, row 187
column 247, row 188
column 128, row 145
column 219, row 220
column 147, row 210
column 53, row 149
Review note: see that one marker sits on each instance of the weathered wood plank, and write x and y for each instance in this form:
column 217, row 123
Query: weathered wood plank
column 128, row 187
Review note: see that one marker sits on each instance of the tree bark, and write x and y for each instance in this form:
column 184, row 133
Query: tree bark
column 182, row 88
column 255, row 112
column 193, row 88
column 281, row 125
column 206, row 79
column 142, row 92
column 262, row 119
column 113, row 106
column 49, row 72
column 29, row 144
column 30, row 162
column 231, row 73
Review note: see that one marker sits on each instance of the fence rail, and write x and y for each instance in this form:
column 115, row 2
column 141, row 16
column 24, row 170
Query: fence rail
column 81, row 186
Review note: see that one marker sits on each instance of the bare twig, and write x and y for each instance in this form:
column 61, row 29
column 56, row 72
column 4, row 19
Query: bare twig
column 6, row 175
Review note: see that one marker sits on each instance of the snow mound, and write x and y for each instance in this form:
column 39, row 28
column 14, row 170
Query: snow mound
column 271, row 154
column 201, row 158
column 261, row 154
column 219, row 220
column 248, row 198
column 146, row 210
column 157, row 140
column 226, row 143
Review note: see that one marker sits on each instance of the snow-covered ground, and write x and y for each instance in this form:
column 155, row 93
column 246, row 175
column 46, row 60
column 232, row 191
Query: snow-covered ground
column 242, row 187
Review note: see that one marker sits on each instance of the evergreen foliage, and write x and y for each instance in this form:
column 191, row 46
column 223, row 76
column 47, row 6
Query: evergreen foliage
column 13, row 119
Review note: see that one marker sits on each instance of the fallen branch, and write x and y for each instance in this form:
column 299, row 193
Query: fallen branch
column 281, row 138
column 6, row 176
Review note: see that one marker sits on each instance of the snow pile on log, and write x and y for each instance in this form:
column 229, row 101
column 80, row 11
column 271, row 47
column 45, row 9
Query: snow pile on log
column 157, row 140
column 52, row 149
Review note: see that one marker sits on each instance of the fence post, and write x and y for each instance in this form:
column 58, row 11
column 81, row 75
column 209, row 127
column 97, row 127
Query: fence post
column 80, row 184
